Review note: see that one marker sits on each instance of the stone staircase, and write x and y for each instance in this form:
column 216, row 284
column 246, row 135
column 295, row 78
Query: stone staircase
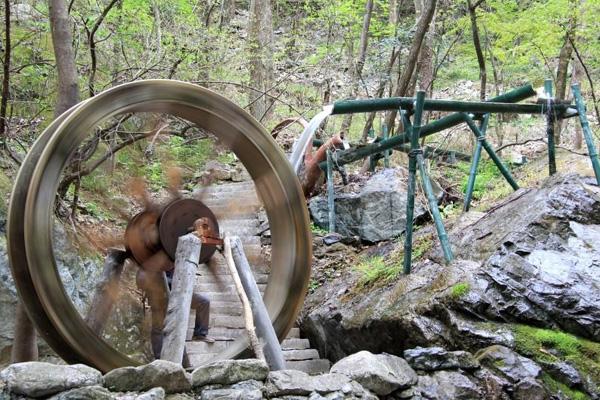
column 236, row 207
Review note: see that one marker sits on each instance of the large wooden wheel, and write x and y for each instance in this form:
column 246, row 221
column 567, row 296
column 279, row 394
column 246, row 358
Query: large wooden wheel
column 33, row 204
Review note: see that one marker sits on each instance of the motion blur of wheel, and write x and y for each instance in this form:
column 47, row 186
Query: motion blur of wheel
column 34, row 209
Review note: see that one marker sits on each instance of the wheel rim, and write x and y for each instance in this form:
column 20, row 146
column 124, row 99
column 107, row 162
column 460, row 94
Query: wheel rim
column 274, row 180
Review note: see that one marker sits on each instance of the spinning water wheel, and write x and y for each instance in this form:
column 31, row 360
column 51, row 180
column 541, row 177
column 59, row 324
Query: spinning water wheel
column 33, row 210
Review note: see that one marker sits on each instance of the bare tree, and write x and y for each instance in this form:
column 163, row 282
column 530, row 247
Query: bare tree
column 62, row 41
column 260, row 35
column 357, row 67
column 405, row 77
column 227, row 12
column 477, row 43
column 91, row 37
column 562, row 70
column 425, row 64
column 6, row 71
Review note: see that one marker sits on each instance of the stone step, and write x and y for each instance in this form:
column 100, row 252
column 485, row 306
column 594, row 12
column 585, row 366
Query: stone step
column 294, row 333
column 197, row 347
column 206, row 279
column 237, row 186
column 237, row 210
column 312, row 367
column 300, row 355
column 295, row 344
column 222, row 321
column 239, row 222
column 220, row 334
column 226, row 288
column 233, row 308
column 232, row 201
column 287, row 346
column 245, row 233
column 217, row 265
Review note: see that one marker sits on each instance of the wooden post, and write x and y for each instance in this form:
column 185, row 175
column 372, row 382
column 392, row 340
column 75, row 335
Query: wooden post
column 106, row 291
column 587, row 132
column 247, row 309
column 180, row 299
column 264, row 326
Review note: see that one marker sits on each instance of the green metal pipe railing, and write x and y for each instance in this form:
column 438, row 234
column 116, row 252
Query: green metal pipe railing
column 475, row 163
column 490, row 150
column 550, row 118
column 413, row 132
column 351, row 155
column 587, row 132
column 500, row 104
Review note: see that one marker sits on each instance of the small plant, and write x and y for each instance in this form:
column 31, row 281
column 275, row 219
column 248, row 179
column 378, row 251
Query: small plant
column 317, row 230
column 459, row 290
column 375, row 269
column 313, row 285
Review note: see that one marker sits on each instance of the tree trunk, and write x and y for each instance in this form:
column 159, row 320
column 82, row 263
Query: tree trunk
column 425, row 63
column 357, row 67
column 478, row 51
column 62, row 39
column 404, row 78
column 6, row 72
column 24, row 346
column 561, row 81
column 260, row 39
column 380, row 89
column 227, row 12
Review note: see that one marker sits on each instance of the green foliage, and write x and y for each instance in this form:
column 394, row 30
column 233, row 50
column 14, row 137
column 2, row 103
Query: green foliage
column 459, row 290
column 380, row 270
column 487, row 175
column 375, row 269
column 551, row 346
column 557, row 387
column 317, row 230
column 5, row 189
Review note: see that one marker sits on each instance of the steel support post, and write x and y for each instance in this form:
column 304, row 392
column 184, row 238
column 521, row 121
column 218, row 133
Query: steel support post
column 413, row 132
column 435, row 211
column 330, row 193
column 550, row 118
column 475, row 162
column 488, row 148
column 587, row 132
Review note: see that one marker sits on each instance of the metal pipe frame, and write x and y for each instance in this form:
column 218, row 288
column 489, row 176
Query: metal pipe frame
column 350, row 155
column 500, row 104
column 587, row 132
column 475, row 163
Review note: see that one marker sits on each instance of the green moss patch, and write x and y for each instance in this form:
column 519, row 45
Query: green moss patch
column 459, row 290
column 551, row 346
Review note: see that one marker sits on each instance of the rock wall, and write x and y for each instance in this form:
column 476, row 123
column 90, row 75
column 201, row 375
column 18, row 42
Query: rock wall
column 423, row 373
column 79, row 275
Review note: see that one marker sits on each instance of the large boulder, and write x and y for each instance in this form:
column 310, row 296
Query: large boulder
column 159, row 373
column 380, row 373
column 40, row 379
column 532, row 260
column 436, row 358
column 227, row 372
column 297, row 383
column 375, row 212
